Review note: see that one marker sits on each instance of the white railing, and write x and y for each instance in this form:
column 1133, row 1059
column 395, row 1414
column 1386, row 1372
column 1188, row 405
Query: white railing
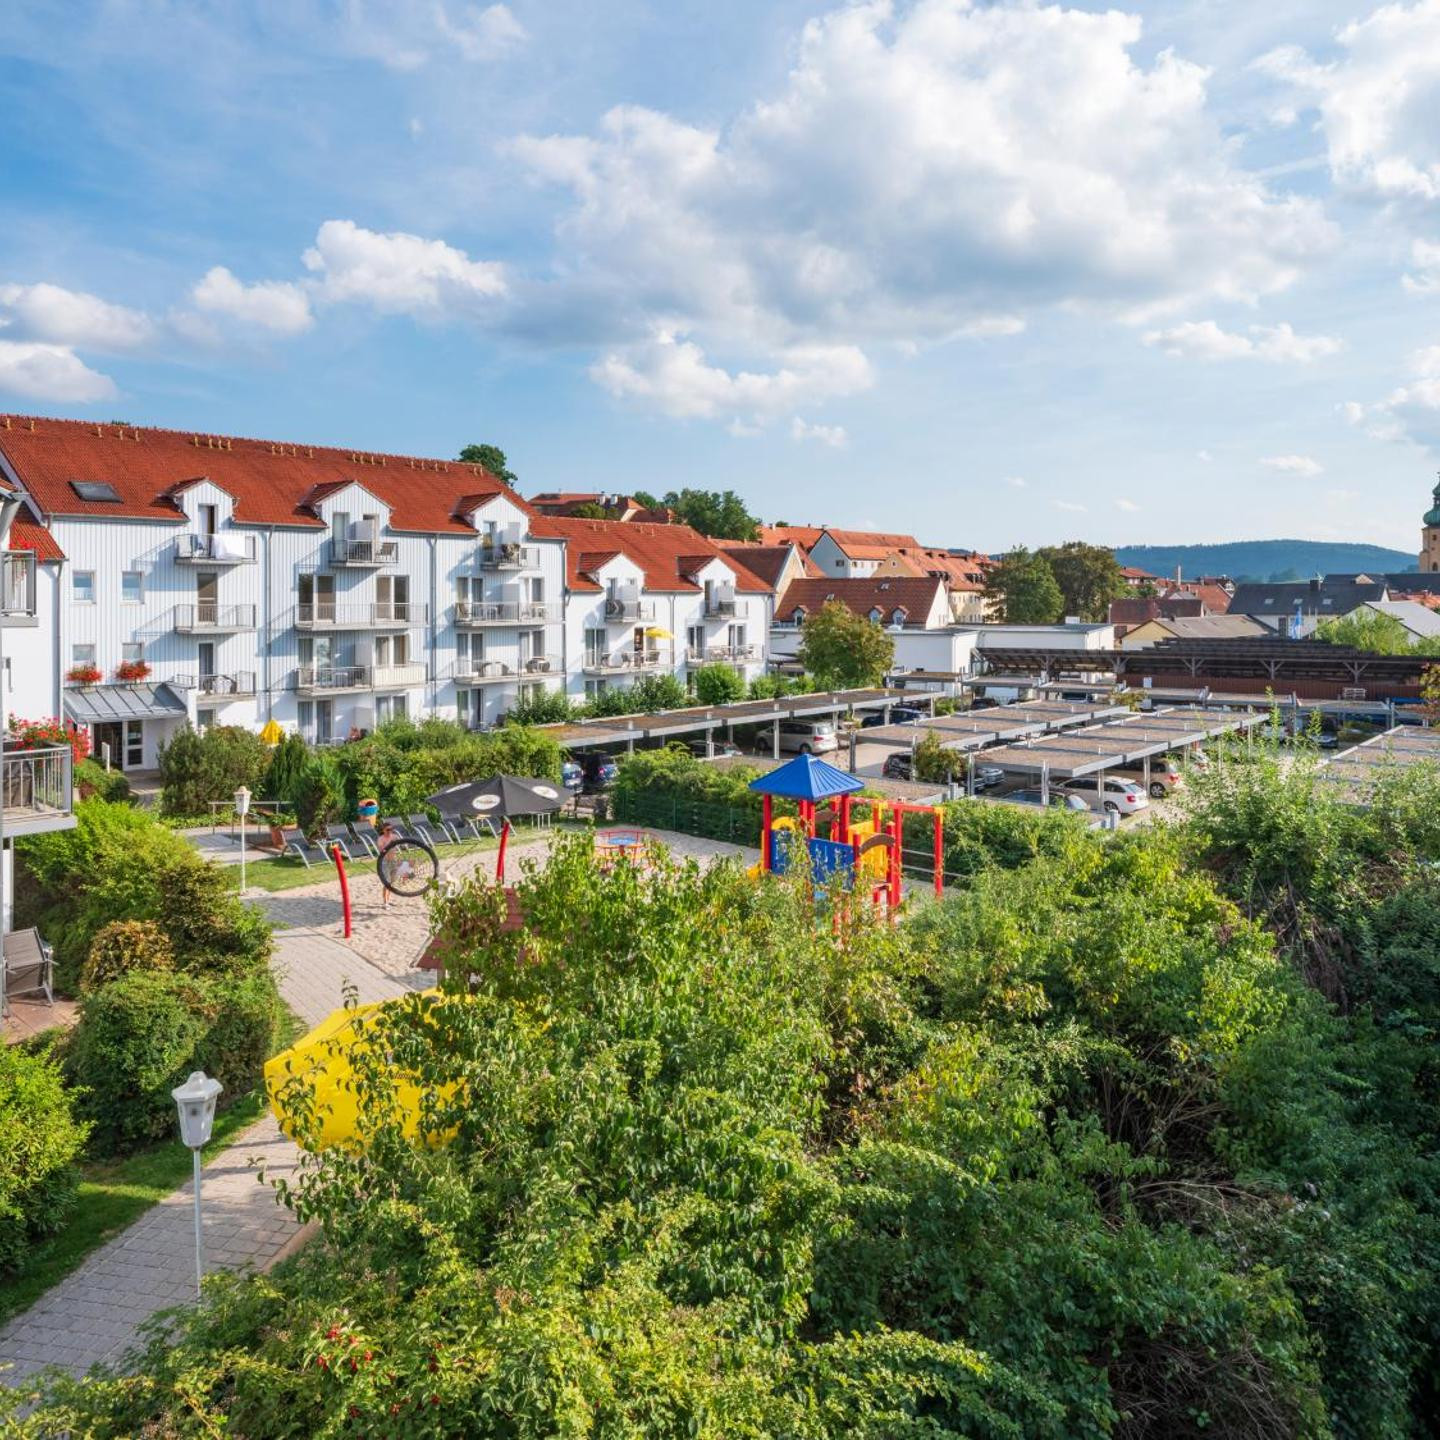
column 219, row 549
column 208, row 615
column 505, row 612
column 37, row 784
column 336, row 615
column 623, row 662
column 17, row 584
column 240, row 682
column 483, row 672
column 619, row 610
column 397, row 677
column 332, row 677
column 363, row 552
column 722, row 654
column 509, row 556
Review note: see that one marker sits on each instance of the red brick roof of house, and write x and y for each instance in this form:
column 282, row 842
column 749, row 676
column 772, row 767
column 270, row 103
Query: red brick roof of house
column 1215, row 598
column 802, row 535
column 887, row 593
column 960, row 572
column 27, row 535
column 870, row 544
column 667, row 554
column 768, row 561
column 272, row 482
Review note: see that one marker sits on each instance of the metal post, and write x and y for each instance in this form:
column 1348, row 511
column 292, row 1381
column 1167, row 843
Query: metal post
column 242, row 854
column 852, row 751
column 199, row 1254
column 776, row 733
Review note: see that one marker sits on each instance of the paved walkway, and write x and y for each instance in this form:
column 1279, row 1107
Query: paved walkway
column 93, row 1314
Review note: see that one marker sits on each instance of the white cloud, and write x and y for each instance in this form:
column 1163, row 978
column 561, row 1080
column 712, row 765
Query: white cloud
column 1425, row 280
column 58, row 316
column 273, row 305
column 1071, row 506
column 1016, row 482
column 1129, row 506
column 672, row 374
column 1377, row 101
column 924, row 173
column 832, row 435
column 478, row 34
column 407, row 34
column 398, row 273
column 1412, row 410
column 1205, row 340
column 1204, row 455
column 50, row 372
column 1292, row 464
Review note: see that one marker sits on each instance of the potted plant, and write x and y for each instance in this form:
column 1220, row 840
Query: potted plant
column 86, row 674
column 131, row 672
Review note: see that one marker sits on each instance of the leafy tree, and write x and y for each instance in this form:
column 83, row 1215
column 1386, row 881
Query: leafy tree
column 492, row 459
column 1022, row 589
column 645, row 498
column 720, row 514
column 198, row 769
column 1366, row 630
column 590, row 510
column 650, row 693
column 718, row 685
column 1430, row 694
column 1089, row 577
column 843, row 650
column 287, row 767
column 549, row 707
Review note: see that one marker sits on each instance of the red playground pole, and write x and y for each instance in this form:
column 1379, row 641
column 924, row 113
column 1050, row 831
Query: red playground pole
column 500, row 863
column 939, row 852
column 344, row 886
column 767, row 815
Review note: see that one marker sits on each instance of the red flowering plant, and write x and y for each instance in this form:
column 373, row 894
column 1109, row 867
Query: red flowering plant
column 86, row 674
column 129, row 672
column 44, row 734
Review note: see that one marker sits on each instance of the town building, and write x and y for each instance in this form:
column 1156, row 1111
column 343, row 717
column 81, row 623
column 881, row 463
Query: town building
column 583, row 504
column 1430, row 537
column 964, row 573
column 856, row 554
column 776, row 565
column 1192, row 627
column 1295, row 608
column 1419, row 621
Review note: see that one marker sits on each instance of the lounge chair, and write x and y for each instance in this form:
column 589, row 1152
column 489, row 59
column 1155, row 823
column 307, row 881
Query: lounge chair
column 26, row 967
column 436, row 833
column 364, row 837
column 477, row 825
column 339, row 835
column 307, row 850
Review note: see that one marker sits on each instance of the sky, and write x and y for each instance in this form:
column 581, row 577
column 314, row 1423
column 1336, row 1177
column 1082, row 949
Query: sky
column 993, row 274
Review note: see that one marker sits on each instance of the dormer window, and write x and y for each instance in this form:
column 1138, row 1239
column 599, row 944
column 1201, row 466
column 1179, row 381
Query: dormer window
column 875, row 613
column 798, row 615
column 898, row 618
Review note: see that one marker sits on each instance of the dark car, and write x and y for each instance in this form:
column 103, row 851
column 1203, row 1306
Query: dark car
column 598, row 769
column 898, row 766
column 899, row 715
column 572, row 776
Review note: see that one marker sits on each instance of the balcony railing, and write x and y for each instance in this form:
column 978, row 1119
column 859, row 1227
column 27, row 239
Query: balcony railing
column 498, row 672
column 470, row 614
column 719, row 607
column 623, row 662
column 382, row 615
column 322, row 679
column 37, row 790
column 241, row 682
column 17, row 587
column 367, row 554
column 509, row 557
column 620, row 611
column 212, row 619
column 221, row 549
column 722, row 654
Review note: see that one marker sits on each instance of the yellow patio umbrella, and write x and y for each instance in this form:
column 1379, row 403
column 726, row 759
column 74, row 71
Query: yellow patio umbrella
column 657, row 632
column 271, row 733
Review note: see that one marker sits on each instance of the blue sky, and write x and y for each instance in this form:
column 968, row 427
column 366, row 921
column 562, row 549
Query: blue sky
column 995, row 274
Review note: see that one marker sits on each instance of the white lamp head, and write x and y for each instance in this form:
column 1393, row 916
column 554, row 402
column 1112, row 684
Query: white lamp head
column 242, row 800
column 196, row 1101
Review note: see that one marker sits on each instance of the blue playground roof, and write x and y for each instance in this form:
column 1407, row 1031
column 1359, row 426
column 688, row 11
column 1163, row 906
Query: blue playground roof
column 806, row 778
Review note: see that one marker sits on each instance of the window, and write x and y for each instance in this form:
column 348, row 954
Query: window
column 96, row 491
column 131, row 652
column 594, row 689
column 132, row 588
column 204, row 719
column 875, row 613
column 82, row 587
column 209, row 519
column 798, row 617
column 82, row 654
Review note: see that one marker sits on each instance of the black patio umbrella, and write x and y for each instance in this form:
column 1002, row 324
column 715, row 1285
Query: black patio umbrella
column 501, row 797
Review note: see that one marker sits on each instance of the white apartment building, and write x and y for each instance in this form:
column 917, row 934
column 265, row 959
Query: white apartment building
column 856, row 554
column 206, row 579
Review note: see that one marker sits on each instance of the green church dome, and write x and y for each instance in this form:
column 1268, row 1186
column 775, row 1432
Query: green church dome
column 1432, row 515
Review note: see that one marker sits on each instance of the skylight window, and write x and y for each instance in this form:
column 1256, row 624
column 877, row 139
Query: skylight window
column 96, row 490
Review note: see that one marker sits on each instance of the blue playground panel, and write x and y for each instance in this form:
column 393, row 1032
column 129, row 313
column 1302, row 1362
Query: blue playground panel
column 827, row 857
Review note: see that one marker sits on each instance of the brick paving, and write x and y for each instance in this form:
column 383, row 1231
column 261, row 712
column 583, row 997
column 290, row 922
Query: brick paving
column 94, row 1313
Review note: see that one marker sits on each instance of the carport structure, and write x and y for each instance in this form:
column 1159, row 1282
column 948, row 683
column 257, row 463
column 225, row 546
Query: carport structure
column 1397, row 749
column 1134, row 740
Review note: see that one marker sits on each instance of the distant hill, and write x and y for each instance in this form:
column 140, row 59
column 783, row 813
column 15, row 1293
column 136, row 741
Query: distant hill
column 1265, row 559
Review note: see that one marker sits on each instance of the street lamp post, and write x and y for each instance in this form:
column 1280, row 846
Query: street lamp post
column 242, row 809
column 196, row 1102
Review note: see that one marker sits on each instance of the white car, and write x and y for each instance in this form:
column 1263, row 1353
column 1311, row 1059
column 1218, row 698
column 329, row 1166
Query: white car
column 805, row 737
column 1119, row 797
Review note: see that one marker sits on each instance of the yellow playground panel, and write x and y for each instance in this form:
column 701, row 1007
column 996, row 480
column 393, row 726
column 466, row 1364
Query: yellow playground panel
column 323, row 1058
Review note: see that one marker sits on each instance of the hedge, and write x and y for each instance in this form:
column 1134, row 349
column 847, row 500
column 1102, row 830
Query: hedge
column 40, row 1139
column 672, row 790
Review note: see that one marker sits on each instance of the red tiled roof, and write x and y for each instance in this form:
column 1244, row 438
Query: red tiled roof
column 767, row 562
column 667, row 554
column 27, row 535
column 269, row 480
column 1134, row 572
column 804, row 535
column 915, row 595
column 960, row 572
column 871, row 544
column 1215, row 598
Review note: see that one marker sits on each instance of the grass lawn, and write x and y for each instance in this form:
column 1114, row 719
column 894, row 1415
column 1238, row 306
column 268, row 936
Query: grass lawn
column 113, row 1193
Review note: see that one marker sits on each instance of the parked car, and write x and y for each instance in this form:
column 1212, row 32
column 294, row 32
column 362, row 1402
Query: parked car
column 1197, row 760
column 572, row 776
column 1059, row 799
column 1119, row 796
column 899, row 715
column 800, row 737
column 987, row 777
column 599, row 770
column 897, row 766
column 1165, row 775
column 701, row 750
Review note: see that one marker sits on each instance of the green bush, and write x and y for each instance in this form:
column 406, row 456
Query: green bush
column 93, row 780
column 123, row 946
column 40, row 1139
column 288, row 762
column 319, row 794
column 550, row 707
column 141, row 1035
column 197, row 769
column 718, row 685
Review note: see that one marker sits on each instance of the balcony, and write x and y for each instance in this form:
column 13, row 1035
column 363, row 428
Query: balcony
column 208, row 618
column 509, row 557
column 17, row 588
column 619, row 611
column 475, row 614
column 723, row 654
column 37, row 791
column 235, row 686
column 382, row 615
column 364, row 554
column 350, row 679
column 624, row 662
column 719, row 606
column 211, row 550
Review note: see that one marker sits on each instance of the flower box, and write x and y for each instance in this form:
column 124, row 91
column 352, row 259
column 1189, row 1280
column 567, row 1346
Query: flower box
column 83, row 675
column 131, row 672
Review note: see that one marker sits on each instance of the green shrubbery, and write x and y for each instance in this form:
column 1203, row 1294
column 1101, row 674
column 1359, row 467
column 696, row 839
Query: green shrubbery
column 197, row 769
column 672, row 789
column 93, row 780
column 40, row 1139
column 718, row 684
column 123, row 946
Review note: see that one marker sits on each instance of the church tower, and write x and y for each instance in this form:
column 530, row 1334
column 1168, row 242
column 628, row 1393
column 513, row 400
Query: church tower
column 1430, row 536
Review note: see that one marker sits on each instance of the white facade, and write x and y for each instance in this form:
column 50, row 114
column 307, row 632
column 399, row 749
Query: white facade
column 1079, row 635
column 827, row 554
